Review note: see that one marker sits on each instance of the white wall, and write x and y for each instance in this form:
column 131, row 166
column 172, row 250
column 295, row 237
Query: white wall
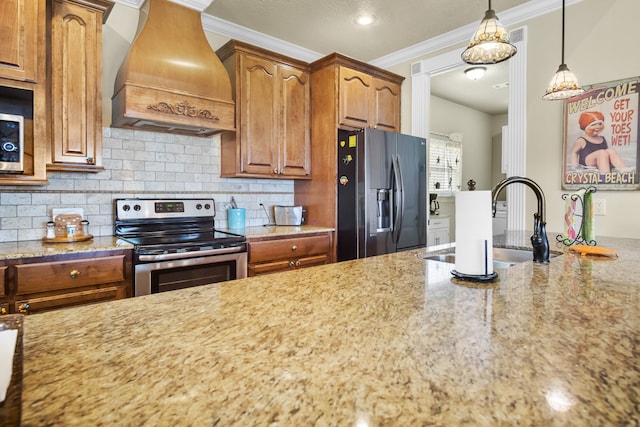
column 497, row 123
column 478, row 151
column 447, row 117
column 600, row 46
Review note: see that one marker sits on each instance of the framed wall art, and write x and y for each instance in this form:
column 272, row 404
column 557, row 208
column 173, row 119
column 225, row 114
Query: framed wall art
column 601, row 131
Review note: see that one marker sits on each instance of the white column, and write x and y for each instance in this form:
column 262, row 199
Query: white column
column 517, row 132
column 516, row 137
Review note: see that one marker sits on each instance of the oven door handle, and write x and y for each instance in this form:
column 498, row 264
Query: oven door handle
column 192, row 254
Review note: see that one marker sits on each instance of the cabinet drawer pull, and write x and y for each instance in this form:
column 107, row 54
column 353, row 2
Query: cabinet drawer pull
column 294, row 247
column 24, row 308
column 3, row 310
column 74, row 274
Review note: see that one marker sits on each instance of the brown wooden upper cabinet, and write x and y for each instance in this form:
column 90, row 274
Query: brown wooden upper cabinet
column 23, row 84
column 272, row 98
column 76, row 84
column 366, row 101
column 347, row 94
column 21, row 26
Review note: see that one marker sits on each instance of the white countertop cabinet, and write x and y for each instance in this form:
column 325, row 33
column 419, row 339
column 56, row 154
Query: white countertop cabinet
column 438, row 231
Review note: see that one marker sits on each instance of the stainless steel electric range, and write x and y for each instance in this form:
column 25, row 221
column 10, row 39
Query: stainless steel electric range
column 176, row 244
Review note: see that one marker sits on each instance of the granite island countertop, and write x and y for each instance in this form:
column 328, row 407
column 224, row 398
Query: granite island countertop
column 387, row 340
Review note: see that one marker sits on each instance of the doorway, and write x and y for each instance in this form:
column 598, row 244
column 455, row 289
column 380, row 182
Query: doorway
column 514, row 139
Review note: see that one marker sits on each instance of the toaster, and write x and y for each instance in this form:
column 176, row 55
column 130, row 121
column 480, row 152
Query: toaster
column 288, row 215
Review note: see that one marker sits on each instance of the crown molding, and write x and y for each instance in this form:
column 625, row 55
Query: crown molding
column 513, row 16
column 238, row 32
column 198, row 5
column 131, row 3
column 224, row 28
column 510, row 17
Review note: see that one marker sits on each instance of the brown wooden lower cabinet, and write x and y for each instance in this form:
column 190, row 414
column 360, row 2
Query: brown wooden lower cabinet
column 36, row 304
column 3, row 281
column 47, row 283
column 4, row 303
column 276, row 254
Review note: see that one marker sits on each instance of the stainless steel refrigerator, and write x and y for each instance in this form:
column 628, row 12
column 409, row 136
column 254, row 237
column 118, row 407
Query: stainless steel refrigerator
column 382, row 193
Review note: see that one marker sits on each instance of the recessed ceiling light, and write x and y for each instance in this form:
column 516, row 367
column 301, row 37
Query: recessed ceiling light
column 365, row 19
column 474, row 73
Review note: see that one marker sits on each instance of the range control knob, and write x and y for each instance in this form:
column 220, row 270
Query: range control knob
column 126, row 208
column 198, row 206
column 137, row 208
column 207, row 206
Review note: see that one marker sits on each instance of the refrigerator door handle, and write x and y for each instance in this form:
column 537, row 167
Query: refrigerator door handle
column 398, row 189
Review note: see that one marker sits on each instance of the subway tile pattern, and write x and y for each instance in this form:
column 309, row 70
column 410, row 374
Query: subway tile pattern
column 138, row 164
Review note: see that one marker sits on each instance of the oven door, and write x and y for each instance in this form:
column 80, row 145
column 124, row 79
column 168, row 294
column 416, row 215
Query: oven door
column 168, row 275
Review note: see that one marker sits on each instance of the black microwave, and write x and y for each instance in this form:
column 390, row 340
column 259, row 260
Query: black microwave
column 11, row 143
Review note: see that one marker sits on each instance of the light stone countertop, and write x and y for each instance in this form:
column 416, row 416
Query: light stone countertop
column 382, row 341
column 282, row 230
column 36, row 248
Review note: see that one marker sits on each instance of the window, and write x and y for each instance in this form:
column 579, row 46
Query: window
column 445, row 162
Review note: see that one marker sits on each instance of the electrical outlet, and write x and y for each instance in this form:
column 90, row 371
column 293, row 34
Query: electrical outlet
column 599, row 207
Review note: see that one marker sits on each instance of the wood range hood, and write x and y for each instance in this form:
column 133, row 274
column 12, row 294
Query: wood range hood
column 171, row 80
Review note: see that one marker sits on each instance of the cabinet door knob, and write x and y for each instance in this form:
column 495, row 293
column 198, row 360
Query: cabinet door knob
column 276, row 171
column 290, row 263
column 294, row 247
column 74, row 274
column 3, row 310
column 297, row 263
column 24, row 308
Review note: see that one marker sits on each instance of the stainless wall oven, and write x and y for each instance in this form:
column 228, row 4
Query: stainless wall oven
column 176, row 245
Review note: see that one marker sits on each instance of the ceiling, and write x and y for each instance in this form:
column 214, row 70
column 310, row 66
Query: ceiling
column 490, row 94
column 402, row 30
column 329, row 26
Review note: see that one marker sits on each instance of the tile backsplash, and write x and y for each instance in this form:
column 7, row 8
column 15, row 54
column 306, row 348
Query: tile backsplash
column 138, row 164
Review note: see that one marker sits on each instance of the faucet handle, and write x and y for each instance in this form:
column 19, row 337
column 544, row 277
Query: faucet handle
column 540, row 242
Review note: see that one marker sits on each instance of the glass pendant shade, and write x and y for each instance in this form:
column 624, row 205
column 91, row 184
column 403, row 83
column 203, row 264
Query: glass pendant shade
column 563, row 85
column 490, row 44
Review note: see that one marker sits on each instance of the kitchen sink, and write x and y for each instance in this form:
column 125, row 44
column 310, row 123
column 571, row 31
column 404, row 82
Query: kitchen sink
column 502, row 257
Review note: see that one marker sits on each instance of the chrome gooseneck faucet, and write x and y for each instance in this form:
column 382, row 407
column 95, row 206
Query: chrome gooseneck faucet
column 539, row 239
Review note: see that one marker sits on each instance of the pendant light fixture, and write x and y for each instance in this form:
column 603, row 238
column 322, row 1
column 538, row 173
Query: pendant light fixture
column 490, row 44
column 564, row 83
